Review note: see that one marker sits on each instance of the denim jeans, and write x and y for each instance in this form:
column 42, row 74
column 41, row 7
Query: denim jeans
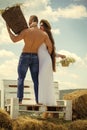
column 27, row 60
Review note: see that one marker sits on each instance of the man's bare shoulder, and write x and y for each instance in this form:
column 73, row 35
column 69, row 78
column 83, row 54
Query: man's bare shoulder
column 25, row 30
column 43, row 32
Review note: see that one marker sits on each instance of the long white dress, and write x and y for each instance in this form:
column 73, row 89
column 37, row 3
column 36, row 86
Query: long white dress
column 46, row 94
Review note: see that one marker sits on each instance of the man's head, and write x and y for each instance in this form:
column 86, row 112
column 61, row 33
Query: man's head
column 33, row 18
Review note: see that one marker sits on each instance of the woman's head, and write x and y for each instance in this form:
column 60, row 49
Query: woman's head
column 45, row 25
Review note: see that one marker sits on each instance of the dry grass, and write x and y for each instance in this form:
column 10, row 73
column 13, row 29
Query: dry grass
column 79, row 103
column 27, row 123
column 75, row 94
column 5, row 120
column 78, row 125
column 2, row 129
column 38, row 123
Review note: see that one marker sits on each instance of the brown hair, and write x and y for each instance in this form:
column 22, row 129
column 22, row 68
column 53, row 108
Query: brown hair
column 47, row 29
column 34, row 18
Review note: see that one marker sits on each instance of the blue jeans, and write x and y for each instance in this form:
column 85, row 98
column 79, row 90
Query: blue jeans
column 27, row 60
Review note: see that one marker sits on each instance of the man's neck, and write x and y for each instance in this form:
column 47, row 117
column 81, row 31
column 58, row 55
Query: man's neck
column 34, row 24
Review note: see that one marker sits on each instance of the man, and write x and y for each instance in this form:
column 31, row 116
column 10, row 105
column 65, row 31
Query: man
column 33, row 37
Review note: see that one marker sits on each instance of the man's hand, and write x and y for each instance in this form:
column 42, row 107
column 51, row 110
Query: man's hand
column 8, row 28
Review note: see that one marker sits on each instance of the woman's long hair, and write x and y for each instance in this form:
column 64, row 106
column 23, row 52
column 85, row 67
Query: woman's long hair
column 47, row 29
column 53, row 51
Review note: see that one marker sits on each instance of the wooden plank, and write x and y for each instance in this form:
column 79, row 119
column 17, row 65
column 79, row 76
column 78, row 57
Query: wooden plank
column 68, row 115
column 9, row 90
column 66, row 111
column 15, row 86
column 42, row 107
column 32, row 111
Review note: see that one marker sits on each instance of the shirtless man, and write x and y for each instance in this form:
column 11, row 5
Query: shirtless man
column 33, row 37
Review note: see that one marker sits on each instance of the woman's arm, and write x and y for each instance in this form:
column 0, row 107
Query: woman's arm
column 60, row 55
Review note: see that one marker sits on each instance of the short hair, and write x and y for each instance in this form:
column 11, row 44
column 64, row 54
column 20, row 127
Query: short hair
column 34, row 18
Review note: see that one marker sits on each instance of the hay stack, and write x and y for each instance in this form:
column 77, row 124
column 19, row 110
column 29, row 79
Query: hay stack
column 79, row 103
column 78, row 125
column 5, row 120
column 2, row 129
column 27, row 123
column 50, row 126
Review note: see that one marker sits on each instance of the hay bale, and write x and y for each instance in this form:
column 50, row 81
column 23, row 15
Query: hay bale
column 26, row 123
column 15, row 19
column 2, row 129
column 60, row 127
column 51, row 126
column 78, row 125
column 5, row 120
column 79, row 103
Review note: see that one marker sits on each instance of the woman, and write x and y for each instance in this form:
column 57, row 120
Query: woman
column 47, row 65
column 46, row 94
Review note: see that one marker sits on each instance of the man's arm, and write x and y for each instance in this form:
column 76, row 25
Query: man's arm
column 13, row 37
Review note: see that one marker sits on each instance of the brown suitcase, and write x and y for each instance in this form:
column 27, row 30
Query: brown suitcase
column 15, row 19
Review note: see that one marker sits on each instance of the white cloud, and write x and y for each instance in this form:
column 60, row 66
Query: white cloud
column 85, row 61
column 34, row 5
column 44, row 10
column 77, row 0
column 73, row 11
column 8, row 69
column 68, row 85
column 67, row 79
column 4, row 36
column 75, row 76
column 64, row 72
column 6, row 54
column 8, row 65
column 80, row 62
column 72, row 76
column 69, row 54
column 56, row 31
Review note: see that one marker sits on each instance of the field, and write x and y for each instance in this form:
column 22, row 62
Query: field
column 36, row 122
column 27, row 122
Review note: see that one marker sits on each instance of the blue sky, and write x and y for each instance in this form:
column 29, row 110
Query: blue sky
column 68, row 19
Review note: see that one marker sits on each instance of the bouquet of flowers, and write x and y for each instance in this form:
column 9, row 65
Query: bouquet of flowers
column 1, row 11
column 66, row 61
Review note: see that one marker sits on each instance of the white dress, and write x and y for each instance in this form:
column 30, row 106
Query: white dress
column 46, row 94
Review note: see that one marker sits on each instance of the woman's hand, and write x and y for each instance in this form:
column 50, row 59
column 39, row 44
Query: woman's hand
column 60, row 55
column 63, row 56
